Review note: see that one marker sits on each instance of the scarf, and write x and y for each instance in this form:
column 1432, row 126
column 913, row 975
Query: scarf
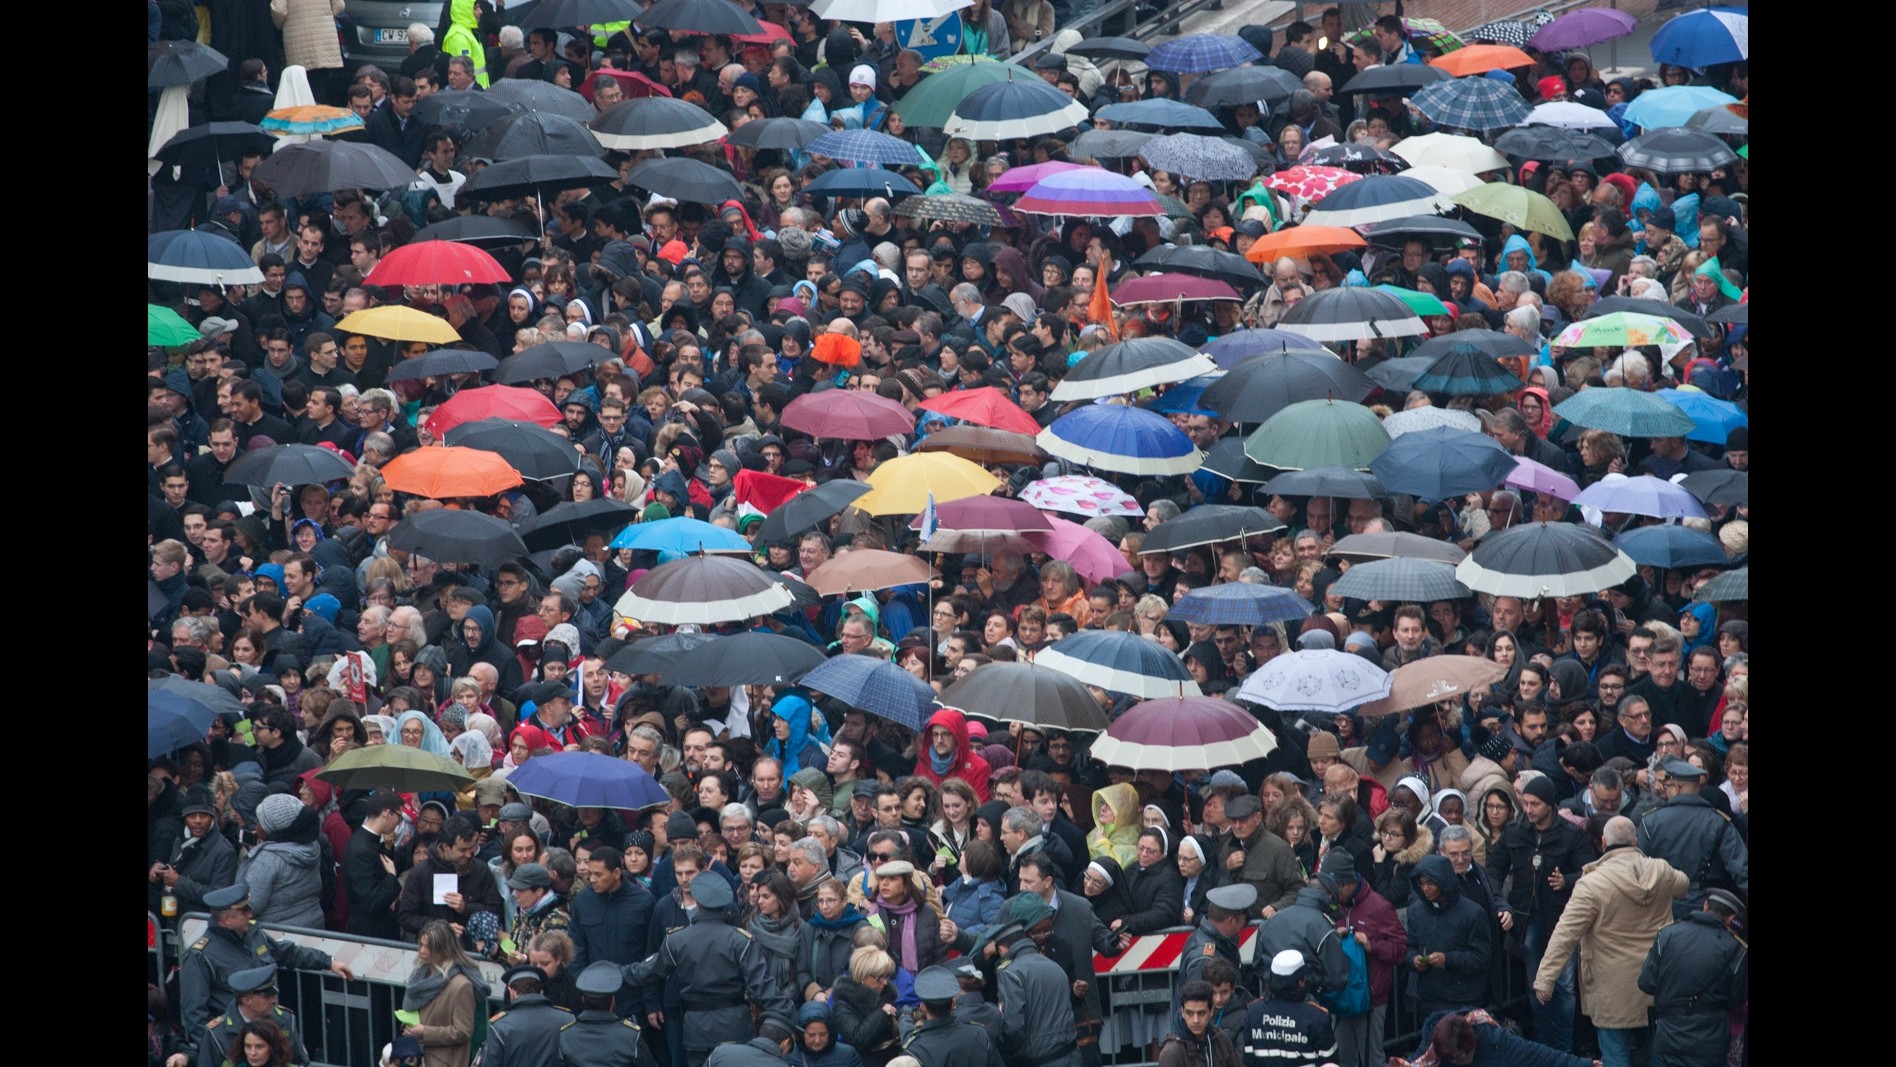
column 847, row 919
column 779, row 936
column 940, row 763
column 426, row 983
column 905, row 913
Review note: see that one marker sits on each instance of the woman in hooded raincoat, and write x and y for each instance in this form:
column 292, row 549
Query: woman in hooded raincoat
column 800, row 737
column 1115, row 824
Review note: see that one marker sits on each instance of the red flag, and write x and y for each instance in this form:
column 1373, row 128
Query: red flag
column 758, row 493
column 1100, row 311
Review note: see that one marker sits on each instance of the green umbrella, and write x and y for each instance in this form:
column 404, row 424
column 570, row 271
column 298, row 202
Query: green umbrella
column 404, row 769
column 1627, row 412
column 931, row 102
column 1419, row 302
column 166, row 328
column 1513, row 204
column 1320, row 433
column 1745, row 151
column 1621, row 329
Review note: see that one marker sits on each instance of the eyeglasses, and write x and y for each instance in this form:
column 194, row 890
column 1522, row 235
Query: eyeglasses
column 882, row 857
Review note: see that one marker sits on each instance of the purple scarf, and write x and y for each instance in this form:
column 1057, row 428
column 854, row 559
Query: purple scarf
column 910, row 961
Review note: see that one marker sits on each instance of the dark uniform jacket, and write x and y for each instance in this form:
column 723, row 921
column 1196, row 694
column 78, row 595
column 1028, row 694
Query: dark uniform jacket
column 1531, row 856
column 1291, row 1033
column 719, row 970
column 602, row 1039
column 1036, row 1002
column 214, row 1041
column 210, row 961
column 1694, row 837
column 525, row 1034
column 952, row 1042
column 1696, row 972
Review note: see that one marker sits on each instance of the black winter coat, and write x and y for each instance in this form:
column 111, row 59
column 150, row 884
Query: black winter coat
column 1453, row 926
column 370, row 888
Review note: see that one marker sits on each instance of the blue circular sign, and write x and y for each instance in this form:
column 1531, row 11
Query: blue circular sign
column 933, row 38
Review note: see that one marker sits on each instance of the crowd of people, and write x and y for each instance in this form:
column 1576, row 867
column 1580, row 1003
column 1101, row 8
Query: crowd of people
column 825, row 886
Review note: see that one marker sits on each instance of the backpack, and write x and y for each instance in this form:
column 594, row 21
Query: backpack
column 1353, row 998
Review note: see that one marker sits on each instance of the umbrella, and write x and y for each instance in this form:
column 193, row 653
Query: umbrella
column 288, row 465
column 548, row 360
column 932, row 102
column 1205, row 262
column 1545, row 559
column 449, row 472
column 985, row 446
column 492, row 402
column 1112, row 48
column 1699, row 39
column 1733, row 313
column 538, row 176
column 1502, row 31
column 1035, row 696
column 1093, row 557
column 1522, row 208
column 745, row 659
column 681, row 536
column 1088, row 192
column 779, row 133
column 1399, row 580
column 397, row 323
column 477, row 229
column 1363, row 158
column 310, row 119
column 1732, row 585
column 809, row 508
column 904, row 486
column 1162, row 114
column 1400, row 80
column 865, row 146
column 1198, row 53
column 448, row 535
column 1493, row 343
column 1640, row 495
column 704, row 590
column 397, row 768
column 699, row 17
column 1130, row 365
column 1076, row 494
column 1443, row 180
column 463, row 109
column 537, row 453
column 843, row 414
column 1554, row 144
column 1573, row 116
column 1465, row 370
column 532, row 95
column 987, row 514
column 1672, row 547
column 859, row 182
column 1350, row 313
column 1420, row 683
column 1269, row 86
column 1240, row 604
column 1318, row 433
column 1415, row 300
column 1449, row 150
column 1264, row 385
column 1119, row 662
column 1184, row 398
column 1183, row 733
column 324, row 166
column 1627, row 412
column 1360, row 547
column 436, row 263
column 173, row 721
column 1659, row 309
column 986, row 406
column 1209, row 524
column 1713, row 419
column 1399, row 374
column 1578, row 29
column 1415, row 420
column 654, row 122
column 198, row 257
column 1482, row 58
column 879, row 10
column 656, row 655
column 950, row 207
column 181, row 63
column 687, row 180
column 1110, row 144
column 534, row 133
column 1376, row 199
column 588, row 780
column 569, row 522
column 1442, row 464
column 1315, row 679
column 1192, row 157
column 1009, row 109
column 1719, row 486
column 867, row 570
column 1120, row 437
column 211, row 699
column 1542, row 480
column 207, row 145
column 1311, row 182
column 876, row 686
column 1234, row 348
column 1676, row 150
column 1480, row 104
column 1326, row 481
column 1299, row 242
column 1720, row 119
column 166, row 328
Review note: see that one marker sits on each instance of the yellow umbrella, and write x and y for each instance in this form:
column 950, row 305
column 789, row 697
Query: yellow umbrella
column 398, row 323
column 902, row 486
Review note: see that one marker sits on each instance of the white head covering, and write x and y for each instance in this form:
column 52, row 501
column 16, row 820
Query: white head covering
column 472, row 749
column 864, row 74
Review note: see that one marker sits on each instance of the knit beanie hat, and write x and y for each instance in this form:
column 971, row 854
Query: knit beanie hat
column 277, row 811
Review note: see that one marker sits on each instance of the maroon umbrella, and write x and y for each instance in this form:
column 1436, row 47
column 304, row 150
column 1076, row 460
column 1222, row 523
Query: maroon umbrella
column 847, row 414
column 1183, row 734
column 1165, row 288
column 993, row 513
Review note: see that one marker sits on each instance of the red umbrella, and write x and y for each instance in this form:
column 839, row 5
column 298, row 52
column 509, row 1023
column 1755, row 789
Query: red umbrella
column 636, row 85
column 1311, row 182
column 847, row 414
column 1092, row 556
column 436, row 263
column 988, row 513
column 1183, row 734
column 492, row 402
column 986, row 406
column 1165, row 288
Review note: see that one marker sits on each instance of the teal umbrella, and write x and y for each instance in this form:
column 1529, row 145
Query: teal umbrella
column 1627, row 412
column 935, row 98
column 1320, row 433
column 166, row 328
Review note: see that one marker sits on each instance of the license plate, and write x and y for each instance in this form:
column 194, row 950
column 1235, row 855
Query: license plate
column 391, row 36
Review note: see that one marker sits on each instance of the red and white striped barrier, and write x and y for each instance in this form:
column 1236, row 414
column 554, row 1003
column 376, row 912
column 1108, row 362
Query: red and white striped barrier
column 1161, row 952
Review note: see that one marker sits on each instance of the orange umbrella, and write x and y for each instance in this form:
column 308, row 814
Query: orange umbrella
column 837, row 350
column 1298, row 242
column 450, row 471
column 1482, row 58
column 866, row 570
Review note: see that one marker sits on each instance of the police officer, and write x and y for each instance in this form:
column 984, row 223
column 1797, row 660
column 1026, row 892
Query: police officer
column 1696, row 971
column 775, row 1038
column 970, row 1006
column 526, row 1033
column 1698, row 839
column 1036, row 998
column 1217, row 934
column 598, row 1037
column 717, row 966
column 235, row 943
column 1287, row 1028
column 256, row 994
column 943, row 1039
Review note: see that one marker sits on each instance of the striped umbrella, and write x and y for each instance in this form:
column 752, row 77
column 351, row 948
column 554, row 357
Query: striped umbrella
column 1119, row 662
column 1011, row 109
column 1200, row 53
column 311, row 119
column 1545, row 559
column 1131, row 365
column 1351, row 313
column 656, row 122
column 198, row 256
column 1677, row 150
column 1377, row 199
column 1031, row 695
column 1183, row 733
column 704, row 590
column 1480, row 104
column 1240, row 604
column 1119, row 437
column 1088, row 192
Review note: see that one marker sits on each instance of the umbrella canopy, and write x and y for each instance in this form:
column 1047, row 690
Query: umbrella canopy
column 1578, row 29
column 950, row 207
column 1240, row 604
column 1466, row 370
column 1092, row 556
column 1183, row 733
column 1730, row 586
column 1318, row 433
column 477, row 229
column 167, row 328
column 1172, row 288
column 779, row 133
column 1573, row 116
column 208, row 700
column 1316, row 680
column 198, row 257
column 325, row 166
column 1027, row 107
column 1415, row 300
column 1540, row 479
column 1422, row 682
column 847, row 415
column 1198, row 53
column 535, row 133
column 1519, row 207
column 703, row 590
column 1110, row 144
column 1119, row 662
column 1399, row 374
column 1120, row 437
column 397, row 323
column 1088, row 192
column 213, row 142
column 1658, row 309
column 1205, row 262
column 1699, row 39
column 862, row 181
column 1482, row 58
column 398, row 768
column 1403, row 79
column 1035, row 696
column 988, row 513
column 1269, row 86
column 1443, row 180
column 1360, row 547
column 746, row 659
column 1726, row 120
column 1414, row 420
column 932, row 102
column 310, row 120
column 588, row 780
column 1442, row 463
column 656, row 655
column 686, row 179
column 655, row 122
column 1713, row 419
column 1479, row 104
column 876, row 686
column 531, row 95
column 867, row 570
column 492, row 402
column 437, row 263
column 548, row 360
column 1733, row 313
column 1493, row 343
column 288, row 465
column 872, row 11
column 181, row 63
column 1363, row 158
column 1672, row 105
column 464, row 109
column 1112, row 48
column 1350, row 313
column 1209, row 524
column 1554, row 144
column 1449, row 150
column 865, row 146
column 980, row 444
column 539, row 175
column 1627, row 412
column 1677, row 150
column 678, row 537
column 173, row 721
column 904, row 486
column 1641, row 495
column 1192, row 157
column 1131, row 365
column 697, row 17
column 1299, row 242
column 1719, row 486
column 448, row 472
column 1326, row 481
column 1311, row 182
column 537, row 453
column 1161, row 113
column 810, row 508
column 1672, row 547
column 569, row 522
column 1076, row 494
column 1398, row 580
column 1503, row 31
column 1545, row 559
column 1234, row 348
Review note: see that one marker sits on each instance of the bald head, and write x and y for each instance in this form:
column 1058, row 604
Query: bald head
column 1619, row 830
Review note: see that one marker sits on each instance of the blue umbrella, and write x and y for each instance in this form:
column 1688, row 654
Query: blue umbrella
column 1198, row 53
column 876, row 686
column 173, row 721
column 1119, row 662
column 1184, row 399
column 680, row 537
column 1479, row 104
column 198, row 256
column 1715, row 418
column 1160, row 112
column 864, row 146
column 1627, row 412
column 1116, row 437
column 1700, row 38
column 588, row 780
column 1234, row 348
column 861, row 181
column 1673, row 105
column 1442, row 463
column 1240, row 604
column 210, row 697
column 1672, row 547
column 1465, row 370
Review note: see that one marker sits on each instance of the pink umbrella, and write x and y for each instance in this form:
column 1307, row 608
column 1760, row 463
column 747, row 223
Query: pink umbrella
column 1020, row 179
column 1540, row 478
column 1092, row 556
column 844, row 414
column 990, row 513
column 1080, row 494
column 1165, row 288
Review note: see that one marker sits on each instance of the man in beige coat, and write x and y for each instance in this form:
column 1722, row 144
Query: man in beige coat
column 1619, row 905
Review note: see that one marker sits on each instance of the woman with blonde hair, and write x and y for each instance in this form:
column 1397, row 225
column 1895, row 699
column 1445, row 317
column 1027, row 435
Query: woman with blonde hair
column 447, row 991
column 864, row 1005
column 1293, row 820
column 958, row 164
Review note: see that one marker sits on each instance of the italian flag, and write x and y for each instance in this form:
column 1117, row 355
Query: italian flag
column 758, row 493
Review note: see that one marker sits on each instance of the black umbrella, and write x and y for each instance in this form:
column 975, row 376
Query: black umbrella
column 655, row 655
column 1695, row 325
column 463, row 109
column 542, row 96
column 1554, row 144
column 213, row 142
column 1110, row 144
column 1244, row 85
column 534, row 133
column 549, row 360
column 1398, row 375
column 1493, row 342
column 324, row 166
column 1209, row 524
column 655, row 122
column 476, row 230
column 1677, row 150
column 808, row 509
column 1398, row 80
column 568, row 523
column 440, row 363
column 1227, row 458
column 1130, row 365
column 583, row 12
column 535, row 451
column 1203, row 261
column 860, row 182
column 448, row 535
column 1545, row 559
column 288, row 465
column 1719, row 486
column 1261, row 386
column 1040, row 697
column 1733, row 313
column 1112, row 48
column 1324, row 481
column 1441, row 233
column 170, row 63
column 780, row 133
column 1464, row 370
column 687, row 180
column 699, row 17
column 538, row 176
column 1361, row 158
column 1351, row 313
column 745, row 659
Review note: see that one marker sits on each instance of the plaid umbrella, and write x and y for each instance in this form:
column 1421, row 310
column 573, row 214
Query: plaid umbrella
column 1677, row 150
column 1188, row 155
column 1312, row 183
column 1426, row 31
column 876, row 686
column 1240, row 604
column 1365, row 159
column 1414, row 581
column 1732, row 585
column 953, row 207
column 1480, row 104
column 1200, row 53
column 864, row 146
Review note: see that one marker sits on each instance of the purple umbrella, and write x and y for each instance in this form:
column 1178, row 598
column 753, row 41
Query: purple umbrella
column 1644, row 495
column 1183, row 734
column 1021, row 179
column 1088, row 192
column 1165, row 288
column 1538, row 477
column 1578, row 29
column 988, row 513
